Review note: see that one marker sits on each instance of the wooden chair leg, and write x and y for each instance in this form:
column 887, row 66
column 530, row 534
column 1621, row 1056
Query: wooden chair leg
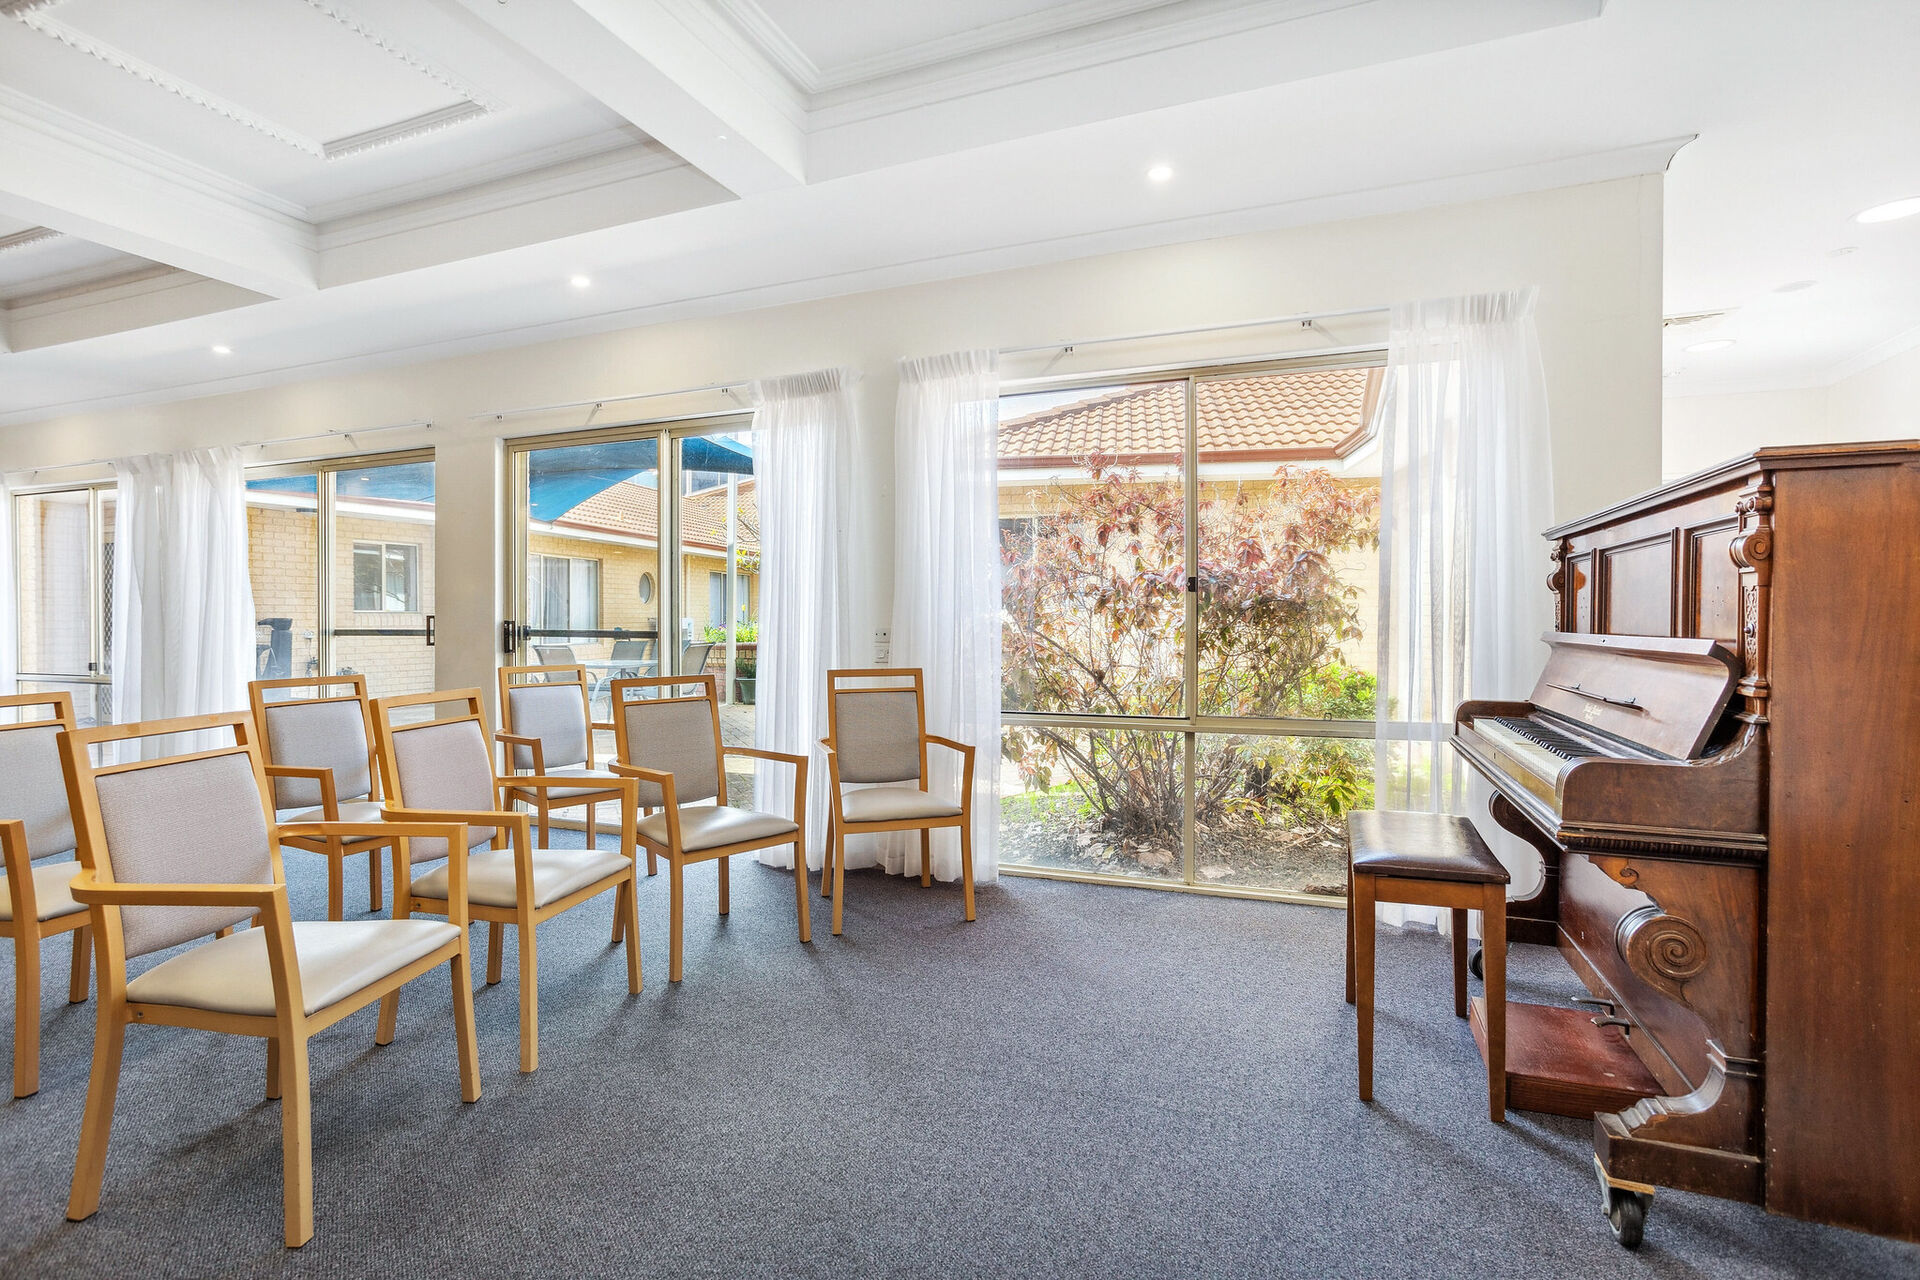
column 389, row 1017
column 82, row 964
column 1493, row 951
column 529, row 998
column 1363, row 931
column 926, row 856
column 725, row 877
column 26, row 1011
column 376, row 896
column 464, row 1039
column 966, row 865
column 838, row 852
column 496, row 936
column 1459, row 962
column 546, row 827
column 676, row 915
column 1350, row 919
column 801, row 890
column 630, row 900
column 103, row 1086
column 296, row 1139
column 273, row 1068
column 593, row 830
column 619, row 922
column 826, row 862
column 336, row 887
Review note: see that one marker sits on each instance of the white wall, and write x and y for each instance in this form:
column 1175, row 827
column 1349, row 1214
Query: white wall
column 1593, row 250
column 1881, row 402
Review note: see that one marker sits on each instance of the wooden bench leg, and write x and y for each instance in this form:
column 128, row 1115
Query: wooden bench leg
column 1363, row 931
column 1493, row 947
column 1459, row 962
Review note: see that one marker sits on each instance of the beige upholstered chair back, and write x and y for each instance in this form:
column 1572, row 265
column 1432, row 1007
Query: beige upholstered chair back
column 876, row 734
column 554, row 713
column 196, row 819
column 439, row 764
column 32, row 789
column 674, row 734
column 319, row 734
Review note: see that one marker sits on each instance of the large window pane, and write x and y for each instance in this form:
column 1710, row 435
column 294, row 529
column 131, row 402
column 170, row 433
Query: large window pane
column 1093, row 540
column 92, row 699
column 283, row 523
column 383, row 522
column 53, row 533
column 1288, row 559
column 1270, row 812
column 719, row 565
column 1102, row 801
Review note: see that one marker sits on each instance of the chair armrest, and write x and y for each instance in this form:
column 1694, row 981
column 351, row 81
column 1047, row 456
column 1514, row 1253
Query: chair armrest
column 950, row 744
column 259, row 896
column 329, row 798
column 966, row 766
column 780, row 757
column 366, row 830
column 799, row 764
column 608, row 725
column 640, row 773
column 19, row 869
column 531, row 744
column 534, row 782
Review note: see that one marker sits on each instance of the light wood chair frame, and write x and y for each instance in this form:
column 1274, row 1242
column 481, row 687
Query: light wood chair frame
column 336, row 849
column 26, row 929
column 839, row 828
column 288, row 1029
column 514, row 829
column 678, row 858
column 537, row 799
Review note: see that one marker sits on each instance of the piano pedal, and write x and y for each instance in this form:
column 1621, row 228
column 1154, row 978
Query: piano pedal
column 1597, row 1002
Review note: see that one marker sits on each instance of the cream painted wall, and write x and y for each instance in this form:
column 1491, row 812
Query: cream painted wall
column 1881, row 402
column 1593, row 250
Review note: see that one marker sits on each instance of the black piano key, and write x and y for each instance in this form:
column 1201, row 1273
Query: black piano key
column 1562, row 745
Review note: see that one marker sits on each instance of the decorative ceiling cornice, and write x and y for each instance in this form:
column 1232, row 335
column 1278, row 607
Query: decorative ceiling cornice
column 36, row 14
column 28, row 238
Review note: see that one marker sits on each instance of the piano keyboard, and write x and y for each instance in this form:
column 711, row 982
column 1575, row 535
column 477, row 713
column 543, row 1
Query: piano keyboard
column 1543, row 750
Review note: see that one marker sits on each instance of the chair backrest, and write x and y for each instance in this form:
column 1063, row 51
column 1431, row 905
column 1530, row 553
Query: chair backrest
column 693, row 658
column 548, row 703
column 32, row 789
column 878, row 734
column 557, row 655
column 631, row 651
column 197, row 818
column 322, row 730
column 438, row 764
column 673, row 732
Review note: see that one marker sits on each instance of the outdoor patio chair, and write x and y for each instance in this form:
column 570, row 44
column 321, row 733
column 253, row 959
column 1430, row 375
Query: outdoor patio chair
column 184, row 846
column 442, row 771
column 671, row 743
column 36, row 901
column 693, row 658
column 549, row 730
column 319, row 756
column 879, row 735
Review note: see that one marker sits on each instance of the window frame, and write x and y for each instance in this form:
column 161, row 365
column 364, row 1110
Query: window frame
column 410, row 575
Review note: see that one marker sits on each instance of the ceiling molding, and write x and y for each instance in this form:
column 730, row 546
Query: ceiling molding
column 332, row 214
column 34, row 14
column 1878, row 353
column 28, row 238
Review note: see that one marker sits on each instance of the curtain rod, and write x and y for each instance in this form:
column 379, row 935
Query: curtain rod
column 598, row 402
column 1305, row 317
column 346, row 434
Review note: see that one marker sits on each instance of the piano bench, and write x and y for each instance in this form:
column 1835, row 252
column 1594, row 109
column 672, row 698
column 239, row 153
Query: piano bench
column 1428, row 860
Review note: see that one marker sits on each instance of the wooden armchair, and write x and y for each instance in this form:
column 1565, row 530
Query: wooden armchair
column 880, row 735
column 442, row 771
column 671, row 744
column 319, row 754
column 549, row 730
column 184, row 846
column 36, row 901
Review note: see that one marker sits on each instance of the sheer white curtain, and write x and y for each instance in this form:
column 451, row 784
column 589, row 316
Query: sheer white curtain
column 182, row 600
column 1465, row 492
column 946, row 592
column 804, row 443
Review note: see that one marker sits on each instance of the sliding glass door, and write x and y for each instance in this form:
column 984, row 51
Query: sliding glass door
column 341, row 560
column 63, row 567
column 1189, row 566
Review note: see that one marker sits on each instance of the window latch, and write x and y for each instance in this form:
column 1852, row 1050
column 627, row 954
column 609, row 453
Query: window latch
column 1193, row 584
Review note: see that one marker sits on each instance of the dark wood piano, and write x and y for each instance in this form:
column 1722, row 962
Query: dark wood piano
column 1720, row 766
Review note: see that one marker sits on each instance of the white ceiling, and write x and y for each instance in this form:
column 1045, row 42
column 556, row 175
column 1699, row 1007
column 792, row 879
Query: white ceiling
column 324, row 185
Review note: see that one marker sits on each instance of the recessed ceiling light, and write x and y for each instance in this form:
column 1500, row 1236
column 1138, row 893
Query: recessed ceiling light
column 581, row 282
column 1795, row 286
column 1890, row 211
column 1711, row 344
column 1843, row 251
column 719, row 137
column 222, row 349
column 1160, row 173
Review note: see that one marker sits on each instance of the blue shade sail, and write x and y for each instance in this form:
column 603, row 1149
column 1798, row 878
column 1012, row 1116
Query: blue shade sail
column 558, row 480
column 399, row 482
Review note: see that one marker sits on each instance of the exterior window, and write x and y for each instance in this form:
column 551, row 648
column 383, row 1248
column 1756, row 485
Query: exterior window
column 386, row 577
column 563, row 591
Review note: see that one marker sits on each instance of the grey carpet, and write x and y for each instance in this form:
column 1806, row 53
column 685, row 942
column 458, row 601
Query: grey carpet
column 1087, row 1082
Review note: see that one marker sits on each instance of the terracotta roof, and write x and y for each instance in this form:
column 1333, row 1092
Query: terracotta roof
column 634, row 510
column 1322, row 413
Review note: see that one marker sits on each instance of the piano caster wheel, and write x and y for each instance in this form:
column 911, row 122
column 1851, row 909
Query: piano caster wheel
column 1627, row 1215
column 1477, row 964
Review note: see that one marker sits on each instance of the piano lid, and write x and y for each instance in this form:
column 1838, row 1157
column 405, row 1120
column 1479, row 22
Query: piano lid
column 1663, row 694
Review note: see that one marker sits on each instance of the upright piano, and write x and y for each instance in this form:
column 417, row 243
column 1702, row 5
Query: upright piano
column 1720, row 767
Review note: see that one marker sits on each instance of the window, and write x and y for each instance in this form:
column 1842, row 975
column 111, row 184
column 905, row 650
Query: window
column 63, row 564
column 386, row 577
column 1189, row 564
column 563, row 592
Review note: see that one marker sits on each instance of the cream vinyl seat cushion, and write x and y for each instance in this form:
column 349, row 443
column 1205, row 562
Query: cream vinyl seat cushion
column 599, row 777
column 894, row 804
column 231, row 974
column 556, row 873
column 52, row 891
column 710, row 826
column 350, row 811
